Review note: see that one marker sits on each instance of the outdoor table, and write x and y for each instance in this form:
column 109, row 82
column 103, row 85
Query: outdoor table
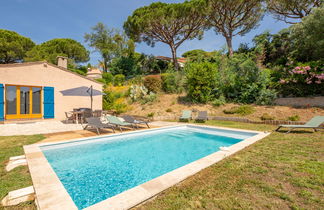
column 77, row 114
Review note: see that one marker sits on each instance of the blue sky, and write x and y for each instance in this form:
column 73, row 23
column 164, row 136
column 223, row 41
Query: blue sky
column 42, row 20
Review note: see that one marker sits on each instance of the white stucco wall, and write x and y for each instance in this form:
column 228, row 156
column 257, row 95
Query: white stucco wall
column 43, row 74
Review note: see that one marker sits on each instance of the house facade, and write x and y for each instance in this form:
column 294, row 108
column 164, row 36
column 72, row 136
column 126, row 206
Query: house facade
column 35, row 91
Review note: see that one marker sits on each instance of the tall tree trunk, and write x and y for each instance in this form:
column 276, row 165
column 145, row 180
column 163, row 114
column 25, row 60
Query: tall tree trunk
column 229, row 45
column 174, row 57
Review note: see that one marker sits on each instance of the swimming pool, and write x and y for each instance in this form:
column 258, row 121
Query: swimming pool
column 95, row 169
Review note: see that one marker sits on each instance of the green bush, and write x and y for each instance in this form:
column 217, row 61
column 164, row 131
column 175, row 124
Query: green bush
column 219, row 101
column 153, row 83
column 108, row 77
column 101, row 80
column 172, row 82
column 119, row 79
column 151, row 115
column 293, row 118
column 120, row 108
column 267, row 116
column 168, row 110
column 241, row 110
column 201, row 81
column 148, row 98
column 266, row 97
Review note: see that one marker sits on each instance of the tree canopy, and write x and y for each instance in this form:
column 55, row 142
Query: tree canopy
column 110, row 43
column 308, row 36
column 49, row 51
column 13, row 46
column 171, row 24
column 235, row 17
column 289, row 10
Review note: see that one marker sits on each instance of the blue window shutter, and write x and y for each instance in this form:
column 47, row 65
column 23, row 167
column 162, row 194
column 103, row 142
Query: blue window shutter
column 1, row 103
column 48, row 102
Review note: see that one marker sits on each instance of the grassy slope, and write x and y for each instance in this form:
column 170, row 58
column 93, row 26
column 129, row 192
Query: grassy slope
column 281, row 171
column 18, row 177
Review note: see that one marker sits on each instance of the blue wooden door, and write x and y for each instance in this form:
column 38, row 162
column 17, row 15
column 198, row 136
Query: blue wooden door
column 1, row 102
column 49, row 102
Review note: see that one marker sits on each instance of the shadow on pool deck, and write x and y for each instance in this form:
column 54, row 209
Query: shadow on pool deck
column 70, row 135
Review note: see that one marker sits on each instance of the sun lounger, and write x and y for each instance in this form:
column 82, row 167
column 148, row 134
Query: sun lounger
column 132, row 120
column 95, row 122
column 314, row 123
column 186, row 115
column 202, row 116
column 118, row 123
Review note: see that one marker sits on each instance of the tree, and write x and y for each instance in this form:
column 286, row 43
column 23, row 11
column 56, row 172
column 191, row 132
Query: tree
column 171, row 24
column 288, row 10
column 235, row 17
column 307, row 37
column 49, row 51
column 13, row 46
column 110, row 43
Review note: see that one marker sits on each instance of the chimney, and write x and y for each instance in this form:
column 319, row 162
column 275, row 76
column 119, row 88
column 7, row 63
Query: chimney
column 62, row 61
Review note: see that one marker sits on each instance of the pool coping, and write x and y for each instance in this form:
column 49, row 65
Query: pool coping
column 51, row 194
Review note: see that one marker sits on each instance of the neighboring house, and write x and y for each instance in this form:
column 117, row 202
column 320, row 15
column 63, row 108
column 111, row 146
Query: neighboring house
column 181, row 61
column 94, row 73
column 33, row 91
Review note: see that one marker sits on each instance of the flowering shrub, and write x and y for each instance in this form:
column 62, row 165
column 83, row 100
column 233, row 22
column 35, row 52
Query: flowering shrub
column 302, row 80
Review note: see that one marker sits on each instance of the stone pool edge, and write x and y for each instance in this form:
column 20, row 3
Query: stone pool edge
column 51, row 194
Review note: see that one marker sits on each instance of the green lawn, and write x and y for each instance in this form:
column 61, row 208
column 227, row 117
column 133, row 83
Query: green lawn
column 18, row 177
column 281, row 171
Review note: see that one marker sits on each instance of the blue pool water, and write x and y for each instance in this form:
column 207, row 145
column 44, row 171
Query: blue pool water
column 99, row 168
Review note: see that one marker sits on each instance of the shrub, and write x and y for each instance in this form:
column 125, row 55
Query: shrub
column 201, row 81
column 168, row 110
column 119, row 79
column 101, row 80
column 241, row 110
column 293, row 118
column 219, row 101
column 172, row 82
column 114, row 101
column 151, row 115
column 153, row 83
column 266, row 97
column 149, row 98
column 108, row 77
column 267, row 116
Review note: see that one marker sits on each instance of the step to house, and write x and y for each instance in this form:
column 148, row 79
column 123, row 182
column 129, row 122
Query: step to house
column 18, row 196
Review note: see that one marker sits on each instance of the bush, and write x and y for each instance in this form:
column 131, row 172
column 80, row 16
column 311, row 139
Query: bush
column 153, row 83
column 168, row 110
column 201, row 81
column 108, row 77
column 114, row 100
column 294, row 118
column 266, row 116
column 148, row 98
column 101, row 80
column 219, row 101
column 119, row 79
column 137, row 92
column 172, row 82
column 151, row 115
column 266, row 97
column 241, row 110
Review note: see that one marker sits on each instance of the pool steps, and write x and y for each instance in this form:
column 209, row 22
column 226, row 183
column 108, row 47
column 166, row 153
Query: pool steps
column 16, row 161
column 18, row 196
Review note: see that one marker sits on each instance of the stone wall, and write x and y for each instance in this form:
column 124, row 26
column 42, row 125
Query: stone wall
column 301, row 101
